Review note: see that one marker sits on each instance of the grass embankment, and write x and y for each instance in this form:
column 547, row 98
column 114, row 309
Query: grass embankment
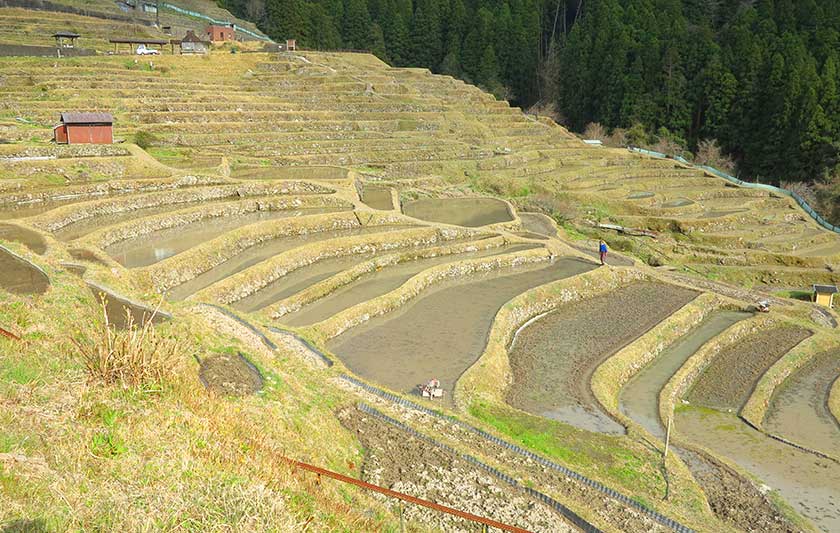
column 623, row 463
column 77, row 454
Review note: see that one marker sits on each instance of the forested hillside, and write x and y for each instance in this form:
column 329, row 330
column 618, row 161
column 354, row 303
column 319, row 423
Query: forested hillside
column 759, row 76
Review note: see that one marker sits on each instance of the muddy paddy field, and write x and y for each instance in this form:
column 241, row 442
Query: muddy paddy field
column 441, row 333
column 553, row 358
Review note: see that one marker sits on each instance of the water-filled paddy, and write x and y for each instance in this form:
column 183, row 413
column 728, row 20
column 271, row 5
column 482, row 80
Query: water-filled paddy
column 377, row 197
column 442, row 332
column 678, row 202
column 554, row 357
column 639, row 398
column 469, row 212
column 118, row 309
column 18, row 276
column 538, row 223
column 27, row 237
column 157, row 246
column 640, row 195
column 261, row 252
column 799, row 410
column 809, row 483
column 379, row 283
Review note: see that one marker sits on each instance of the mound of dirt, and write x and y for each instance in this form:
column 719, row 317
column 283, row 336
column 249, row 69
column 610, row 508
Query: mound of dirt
column 230, row 375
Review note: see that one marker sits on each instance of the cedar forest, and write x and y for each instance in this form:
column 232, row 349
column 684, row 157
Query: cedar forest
column 760, row 79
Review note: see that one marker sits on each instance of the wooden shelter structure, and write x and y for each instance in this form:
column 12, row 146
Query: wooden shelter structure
column 133, row 43
column 65, row 39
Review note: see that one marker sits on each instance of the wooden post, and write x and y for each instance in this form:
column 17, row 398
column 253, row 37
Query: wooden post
column 667, row 439
column 402, row 520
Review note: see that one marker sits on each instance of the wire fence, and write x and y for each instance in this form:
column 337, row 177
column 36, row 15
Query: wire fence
column 658, row 517
column 567, row 513
column 741, row 183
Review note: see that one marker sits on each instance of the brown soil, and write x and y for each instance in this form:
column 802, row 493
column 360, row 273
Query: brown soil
column 538, row 223
column 230, row 375
column 734, row 499
column 553, row 359
column 605, row 510
column 399, row 461
column 721, row 387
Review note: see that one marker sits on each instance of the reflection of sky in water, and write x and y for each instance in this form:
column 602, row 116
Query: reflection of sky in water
column 163, row 253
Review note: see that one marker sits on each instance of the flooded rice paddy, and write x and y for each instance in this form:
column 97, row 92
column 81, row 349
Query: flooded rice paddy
column 377, row 197
column 148, row 249
column 639, row 398
column 811, row 484
column 263, row 251
column 27, row 237
column 382, row 282
column 538, row 223
column 19, row 276
column 554, row 357
column 118, row 309
column 721, row 387
column 799, row 410
column 443, row 331
column 469, row 212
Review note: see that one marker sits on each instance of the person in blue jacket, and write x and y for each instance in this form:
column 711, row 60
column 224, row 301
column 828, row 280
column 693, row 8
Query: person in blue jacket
column 602, row 249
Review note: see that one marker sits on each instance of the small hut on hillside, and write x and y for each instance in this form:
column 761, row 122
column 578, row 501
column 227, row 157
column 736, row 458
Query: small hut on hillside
column 824, row 295
column 193, row 44
column 85, row 128
column 221, row 32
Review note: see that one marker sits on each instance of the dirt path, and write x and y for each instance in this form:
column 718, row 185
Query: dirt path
column 553, row 358
column 399, row 461
column 729, row 379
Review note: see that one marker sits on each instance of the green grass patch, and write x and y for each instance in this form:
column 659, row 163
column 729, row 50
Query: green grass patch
column 794, row 294
column 20, row 372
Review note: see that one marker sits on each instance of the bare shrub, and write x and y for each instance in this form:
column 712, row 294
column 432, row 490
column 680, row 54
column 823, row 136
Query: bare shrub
column 594, row 130
column 667, row 146
column 710, row 154
column 617, row 139
column 806, row 191
column 132, row 357
column 547, row 109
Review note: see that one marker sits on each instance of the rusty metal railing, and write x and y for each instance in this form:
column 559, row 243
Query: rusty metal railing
column 405, row 497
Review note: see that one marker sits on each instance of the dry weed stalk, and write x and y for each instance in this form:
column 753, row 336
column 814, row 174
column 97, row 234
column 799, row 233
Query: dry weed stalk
column 132, row 357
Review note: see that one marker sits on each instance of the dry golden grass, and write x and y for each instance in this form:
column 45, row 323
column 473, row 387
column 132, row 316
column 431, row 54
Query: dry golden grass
column 134, row 356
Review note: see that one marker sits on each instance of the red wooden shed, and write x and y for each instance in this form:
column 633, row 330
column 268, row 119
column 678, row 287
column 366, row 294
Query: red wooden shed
column 85, row 128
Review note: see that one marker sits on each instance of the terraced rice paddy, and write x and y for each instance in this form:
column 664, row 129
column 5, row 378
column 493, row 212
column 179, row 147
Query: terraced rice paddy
column 469, row 212
column 149, row 249
column 246, row 199
column 554, row 357
column 640, row 397
column 799, row 410
column 810, row 483
column 377, row 197
column 19, row 276
column 381, row 282
column 26, row 237
column 722, row 388
column 442, row 332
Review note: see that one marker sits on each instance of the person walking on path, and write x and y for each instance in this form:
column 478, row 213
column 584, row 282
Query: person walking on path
column 602, row 249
